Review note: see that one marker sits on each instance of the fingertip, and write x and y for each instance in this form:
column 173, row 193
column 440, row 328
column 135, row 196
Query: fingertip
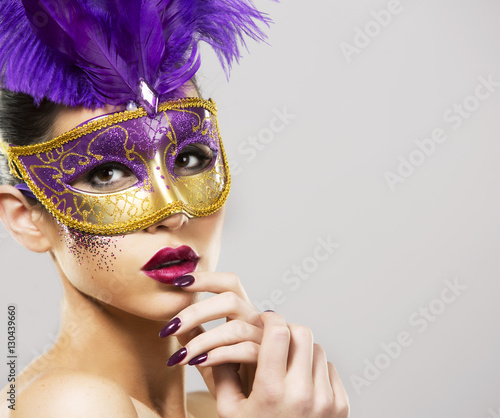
column 198, row 360
column 170, row 328
column 184, row 281
column 272, row 317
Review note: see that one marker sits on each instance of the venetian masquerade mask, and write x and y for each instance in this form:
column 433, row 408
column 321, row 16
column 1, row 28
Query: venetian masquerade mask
column 122, row 172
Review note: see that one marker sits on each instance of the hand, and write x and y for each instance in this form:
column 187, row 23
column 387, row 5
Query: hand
column 236, row 341
column 293, row 378
column 311, row 385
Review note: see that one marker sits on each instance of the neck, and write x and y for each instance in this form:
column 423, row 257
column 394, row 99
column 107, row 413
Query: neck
column 121, row 347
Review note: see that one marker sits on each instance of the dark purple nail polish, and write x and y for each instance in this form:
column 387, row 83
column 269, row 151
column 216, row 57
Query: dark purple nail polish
column 170, row 328
column 184, row 281
column 268, row 310
column 198, row 359
column 177, row 357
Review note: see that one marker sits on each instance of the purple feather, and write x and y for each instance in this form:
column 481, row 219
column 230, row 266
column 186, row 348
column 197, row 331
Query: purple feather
column 93, row 52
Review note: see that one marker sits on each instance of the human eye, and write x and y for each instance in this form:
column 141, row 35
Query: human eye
column 109, row 177
column 193, row 159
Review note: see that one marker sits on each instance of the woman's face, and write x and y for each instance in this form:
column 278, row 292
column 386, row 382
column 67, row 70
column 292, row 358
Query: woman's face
column 109, row 268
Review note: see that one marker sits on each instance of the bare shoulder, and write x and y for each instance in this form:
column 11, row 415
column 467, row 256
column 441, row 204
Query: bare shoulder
column 202, row 405
column 68, row 393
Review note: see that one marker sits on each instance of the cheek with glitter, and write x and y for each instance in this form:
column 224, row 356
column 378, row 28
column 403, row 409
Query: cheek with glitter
column 95, row 252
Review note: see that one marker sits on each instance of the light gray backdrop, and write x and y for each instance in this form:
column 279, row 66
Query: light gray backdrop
column 366, row 165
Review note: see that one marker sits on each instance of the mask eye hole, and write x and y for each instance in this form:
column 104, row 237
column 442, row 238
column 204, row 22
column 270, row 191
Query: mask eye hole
column 193, row 159
column 106, row 178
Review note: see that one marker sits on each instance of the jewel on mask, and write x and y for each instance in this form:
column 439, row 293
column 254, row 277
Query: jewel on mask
column 148, row 98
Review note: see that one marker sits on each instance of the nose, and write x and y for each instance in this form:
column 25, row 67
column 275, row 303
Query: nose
column 170, row 223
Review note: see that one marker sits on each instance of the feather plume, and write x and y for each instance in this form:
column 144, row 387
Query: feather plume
column 93, row 52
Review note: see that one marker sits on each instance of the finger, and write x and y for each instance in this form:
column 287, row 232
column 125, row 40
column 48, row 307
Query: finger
column 300, row 357
column 323, row 391
column 321, row 375
column 246, row 352
column 226, row 305
column 341, row 400
column 214, row 282
column 188, row 336
column 228, row 389
column 273, row 354
column 227, row 334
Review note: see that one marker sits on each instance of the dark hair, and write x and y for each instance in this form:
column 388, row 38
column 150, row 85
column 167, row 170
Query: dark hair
column 22, row 122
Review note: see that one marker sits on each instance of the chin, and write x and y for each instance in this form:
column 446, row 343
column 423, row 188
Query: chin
column 153, row 307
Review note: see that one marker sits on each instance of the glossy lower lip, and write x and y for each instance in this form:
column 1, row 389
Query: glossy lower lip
column 188, row 261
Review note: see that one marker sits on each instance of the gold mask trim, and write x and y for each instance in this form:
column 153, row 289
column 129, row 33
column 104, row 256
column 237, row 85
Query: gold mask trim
column 19, row 170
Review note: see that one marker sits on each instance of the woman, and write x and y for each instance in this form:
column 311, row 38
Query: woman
column 118, row 171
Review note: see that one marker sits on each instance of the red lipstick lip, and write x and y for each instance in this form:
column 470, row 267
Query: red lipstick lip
column 185, row 262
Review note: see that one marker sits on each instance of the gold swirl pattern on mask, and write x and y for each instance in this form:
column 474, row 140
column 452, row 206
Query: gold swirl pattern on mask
column 134, row 208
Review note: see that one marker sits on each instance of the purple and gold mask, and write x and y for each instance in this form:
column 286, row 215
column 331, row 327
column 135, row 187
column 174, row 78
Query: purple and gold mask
column 125, row 171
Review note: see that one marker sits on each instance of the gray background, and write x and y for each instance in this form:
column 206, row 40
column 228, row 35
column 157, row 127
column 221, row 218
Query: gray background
column 323, row 175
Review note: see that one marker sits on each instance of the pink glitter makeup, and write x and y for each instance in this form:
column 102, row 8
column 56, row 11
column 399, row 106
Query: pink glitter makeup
column 91, row 249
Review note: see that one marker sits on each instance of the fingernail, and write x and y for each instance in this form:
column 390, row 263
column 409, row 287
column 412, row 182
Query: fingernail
column 184, row 281
column 170, row 328
column 198, row 359
column 268, row 310
column 177, row 357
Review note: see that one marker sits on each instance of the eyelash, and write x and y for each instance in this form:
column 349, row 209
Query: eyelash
column 202, row 153
column 110, row 165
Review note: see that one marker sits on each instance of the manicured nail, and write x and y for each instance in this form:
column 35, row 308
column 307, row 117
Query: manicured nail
column 184, row 281
column 268, row 310
column 170, row 328
column 198, row 359
column 177, row 357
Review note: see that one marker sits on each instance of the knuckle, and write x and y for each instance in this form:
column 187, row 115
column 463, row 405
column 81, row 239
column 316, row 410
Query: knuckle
column 319, row 352
column 235, row 282
column 302, row 404
column 251, row 348
column 302, row 399
column 233, row 279
column 273, row 394
column 302, row 333
column 324, row 405
column 239, row 328
column 343, row 409
column 280, row 333
column 318, row 349
column 230, row 299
